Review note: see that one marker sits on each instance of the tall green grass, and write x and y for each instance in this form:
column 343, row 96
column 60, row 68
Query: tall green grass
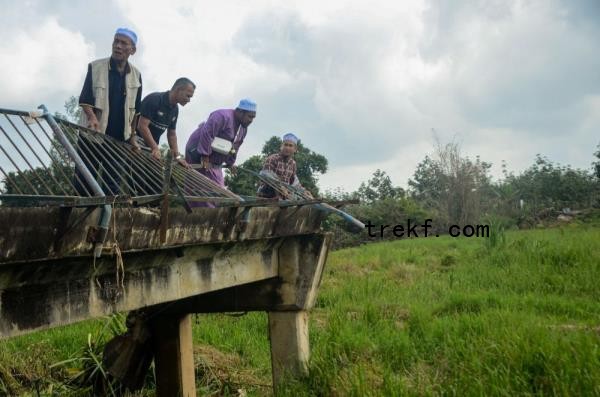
column 520, row 316
column 451, row 316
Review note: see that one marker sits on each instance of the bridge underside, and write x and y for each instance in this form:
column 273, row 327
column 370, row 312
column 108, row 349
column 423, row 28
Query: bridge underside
column 212, row 260
column 48, row 276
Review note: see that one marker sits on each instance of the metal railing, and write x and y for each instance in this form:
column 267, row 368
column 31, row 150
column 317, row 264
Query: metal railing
column 49, row 161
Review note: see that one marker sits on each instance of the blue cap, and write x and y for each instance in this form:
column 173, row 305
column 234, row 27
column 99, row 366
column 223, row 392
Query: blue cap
column 290, row 138
column 129, row 33
column 247, row 104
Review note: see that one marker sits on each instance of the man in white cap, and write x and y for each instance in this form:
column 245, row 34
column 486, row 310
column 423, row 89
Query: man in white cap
column 216, row 142
column 281, row 166
column 110, row 100
column 112, row 91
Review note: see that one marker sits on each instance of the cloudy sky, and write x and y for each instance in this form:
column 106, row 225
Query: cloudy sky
column 369, row 84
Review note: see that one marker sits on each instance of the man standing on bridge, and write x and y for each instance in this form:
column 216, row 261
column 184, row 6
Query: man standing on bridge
column 216, row 142
column 112, row 91
column 159, row 112
column 110, row 99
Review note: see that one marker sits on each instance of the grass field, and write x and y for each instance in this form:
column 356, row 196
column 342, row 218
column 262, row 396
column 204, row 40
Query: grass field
column 409, row 317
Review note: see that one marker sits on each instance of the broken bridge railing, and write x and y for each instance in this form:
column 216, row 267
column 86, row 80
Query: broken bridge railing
column 49, row 161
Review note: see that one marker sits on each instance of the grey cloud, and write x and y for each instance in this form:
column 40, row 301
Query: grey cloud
column 96, row 20
column 338, row 62
column 279, row 39
column 525, row 77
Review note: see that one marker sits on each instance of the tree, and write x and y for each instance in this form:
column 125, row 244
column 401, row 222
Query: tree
column 381, row 203
column 243, row 183
column 427, row 183
column 379, row 187
column 596, row 164
column 455, row 187
column 72, row 110
column 549, row 185
column 308, row 165
column 54, row 178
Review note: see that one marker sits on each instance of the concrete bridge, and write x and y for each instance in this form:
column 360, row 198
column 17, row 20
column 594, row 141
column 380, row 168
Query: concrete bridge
column 64, row 260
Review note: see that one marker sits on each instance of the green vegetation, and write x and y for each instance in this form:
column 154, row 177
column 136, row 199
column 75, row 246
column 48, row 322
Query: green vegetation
column 452, row 189
column 448, row 316
column 516, row 316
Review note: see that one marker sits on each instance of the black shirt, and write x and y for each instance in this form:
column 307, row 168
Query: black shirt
column 117, row 93
column 162, row 115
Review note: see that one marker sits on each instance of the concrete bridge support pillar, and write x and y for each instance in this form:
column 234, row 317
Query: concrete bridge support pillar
column 290, row 350
column 174, row 356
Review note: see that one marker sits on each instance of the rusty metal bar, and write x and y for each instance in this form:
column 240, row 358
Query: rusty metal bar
column 141, row 166
column 8, row 178
column 106, row 209
column 65, row 158
column 145, row 166
column 87, row 149
column 61, row 201
column 103, row 159
column 164, row 210
column 15, row 112
column 59, row 186
column 89, row 157
column 191, row 184
column 57, row 164
column 19, row 170
column 32, row 168
column 199, row 183
column 108, row 148
column 142, row 169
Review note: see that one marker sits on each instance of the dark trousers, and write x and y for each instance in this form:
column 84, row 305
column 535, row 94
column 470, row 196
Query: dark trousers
column 106, row 170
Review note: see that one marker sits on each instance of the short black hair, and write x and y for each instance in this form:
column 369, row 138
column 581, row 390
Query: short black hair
column 183, row 81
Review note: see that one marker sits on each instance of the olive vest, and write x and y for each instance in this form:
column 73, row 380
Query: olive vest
column 100, row 89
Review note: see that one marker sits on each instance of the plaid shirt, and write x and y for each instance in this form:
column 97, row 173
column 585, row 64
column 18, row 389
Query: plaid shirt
column 284, row 169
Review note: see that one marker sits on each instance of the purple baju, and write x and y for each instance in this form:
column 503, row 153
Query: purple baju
column 221, row 123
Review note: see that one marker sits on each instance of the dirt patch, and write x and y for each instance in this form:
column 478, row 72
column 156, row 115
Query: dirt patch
column 576, row 327
column 220, row 373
